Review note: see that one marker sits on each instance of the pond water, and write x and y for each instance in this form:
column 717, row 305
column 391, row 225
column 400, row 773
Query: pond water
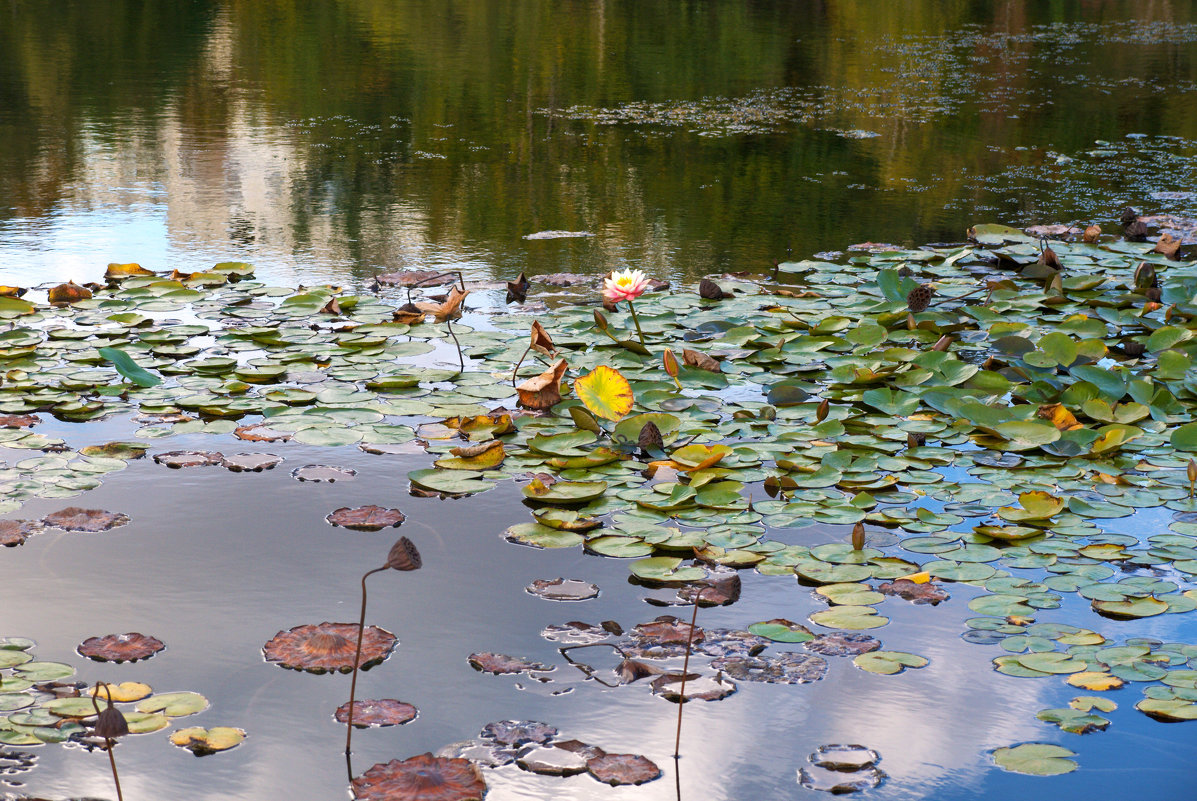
column 328, row 143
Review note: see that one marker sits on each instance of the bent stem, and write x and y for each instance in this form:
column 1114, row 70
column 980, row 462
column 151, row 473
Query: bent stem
column 357, row 656
column 681, row 701
column 636, row 320
column 108, row 743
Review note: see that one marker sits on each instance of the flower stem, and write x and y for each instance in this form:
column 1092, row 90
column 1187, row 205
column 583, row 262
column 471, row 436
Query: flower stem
column 636, row 320
column 357, row 656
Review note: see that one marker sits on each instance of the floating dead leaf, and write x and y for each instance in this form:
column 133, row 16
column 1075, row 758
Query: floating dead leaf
column 18, row 420
column 70, row 292
column 517, row 290
column 251, row 462
column 697, row 687
column 116, row 271
column 322, row 472
column 667, row 630
column 15, row 532
column 842, row 643
column 365, row 518
column 1048, row 258
column 73, row 518
column 916, row 592
column 1058, row 416
column 790, row 667
column 551, row 761
column 541, row 341
column 409, row 314
column 622, row 769
column 701, row 361
column 260, row 432
column 332, row 307
column 717, row 589
column 178, row 459
column 563, row 589
column 544, row 390
column 499, row 664
column 449, row 307
column 1168, row 245
column 413, row 277
column 378, row 712
column 518, row 732
column 120, row 647
column 483, row 456
column 421, row 778
column 709, row 290
column 328, row 647
column 1092, row 233
column 630, row 670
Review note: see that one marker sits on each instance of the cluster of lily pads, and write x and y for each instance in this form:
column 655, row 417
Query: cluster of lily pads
column 985, row 412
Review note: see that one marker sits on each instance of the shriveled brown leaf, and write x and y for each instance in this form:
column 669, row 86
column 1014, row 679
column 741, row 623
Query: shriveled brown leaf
column 709, row 290
column 1136, row 231
column 700, row 360
column 366, row 518
column 541, row 341
column 499, row 664
column 630, row 670
column 717, row 589
column 650, row 437
column 70, row 292
column 546, row 760
column 925, row 593
column 332, row 307
column 1168, row 245
column 18, row 420
column 1092, row 234
column 517, row 290
column 544, row 390
column 518, row 732
column 451, row 306
column 469, row 451
column 697, row 687
column 667, row 629
column 421, row 778
column 408, row 313
column 15, row 532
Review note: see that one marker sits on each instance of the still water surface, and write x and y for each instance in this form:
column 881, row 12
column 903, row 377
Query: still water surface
column 327, row 142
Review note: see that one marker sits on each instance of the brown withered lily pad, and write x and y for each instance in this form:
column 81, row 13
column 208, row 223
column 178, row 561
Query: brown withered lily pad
column 70, row 292
column 719, row 588
column 260, row 432
column 544, row 390
column 926, row 593
column 18, row 420
column 617, row 769
column 366, row 518
column 785, row 668
column 120, row 647
column 631, row 670
column 15, row 532
column 550, row 761
column 842, row 643
column 73, row 518
column 667, row 630
column 421, row 778
column 499, row 664
column 321, row 472
column 698, row 687
column 177, row 459
column 379, row 712
column 715, row 642
column 563, row 589
column 575, row 631
column 481, row 752
column 518, row 732
column 413, row 277
column 328, row 647
column 251, row 462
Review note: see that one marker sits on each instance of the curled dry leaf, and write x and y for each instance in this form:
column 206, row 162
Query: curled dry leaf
column 517, row 290
column 541, row 341
column 365, row 518
column 499, row 664
column 620, row 769
column 74, row 518
column 18, row 420
column 421, row 778
column 451, row 306
column 12, row 291
column 379, row 712
column 120, row 647
column 709, row 290
column 408, row 313
column 650, row 437
column 700, row 360
column 15, row 532
column 919, row 593
column 70, row 292
column 1168, row 245
column 717, row 589
column 1092, row 233
column 177, row 459
column 542, row 391
column 471, row 451
column 328, row 647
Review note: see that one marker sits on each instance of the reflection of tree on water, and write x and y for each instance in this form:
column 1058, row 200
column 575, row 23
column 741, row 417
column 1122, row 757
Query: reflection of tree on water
column 367, row 134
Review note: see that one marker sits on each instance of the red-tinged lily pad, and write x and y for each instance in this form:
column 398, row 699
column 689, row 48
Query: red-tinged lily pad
column 380, row 712
column 563, row 589
column 421, row 778
column 328, row 647
column 843, row 643
column 618, row 769
column 320, row 473
column 786, row 668
column 366, row 518
column 518, row 732
column 18, row 420
column 251, row 462
column 667, row 630
column 91, row 521
column 260, row 432
column 499, row 664
column 120, row 647
column 178, row 459
column 926, row 593
column 15, row 532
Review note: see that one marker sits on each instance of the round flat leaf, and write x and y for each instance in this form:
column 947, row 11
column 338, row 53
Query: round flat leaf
column 605, row 392
column 174, row 705
column 665, row 569
column 781, row 630
column 539, row 536
column 45, row 671
column 201, row 741
column 450, row 482
column 889, row 662
column 852, row 618
column 1035, row 759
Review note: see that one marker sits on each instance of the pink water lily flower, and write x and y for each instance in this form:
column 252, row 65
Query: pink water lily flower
column 624, row 285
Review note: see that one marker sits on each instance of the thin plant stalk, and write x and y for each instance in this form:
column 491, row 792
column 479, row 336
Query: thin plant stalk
column 677, row 742
column 636, row 320
column 361, row 630
column 108, row 742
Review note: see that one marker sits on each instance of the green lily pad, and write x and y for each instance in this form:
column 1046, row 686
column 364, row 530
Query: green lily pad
column 1035, row 759
column 889, row 662
column 853, row 618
